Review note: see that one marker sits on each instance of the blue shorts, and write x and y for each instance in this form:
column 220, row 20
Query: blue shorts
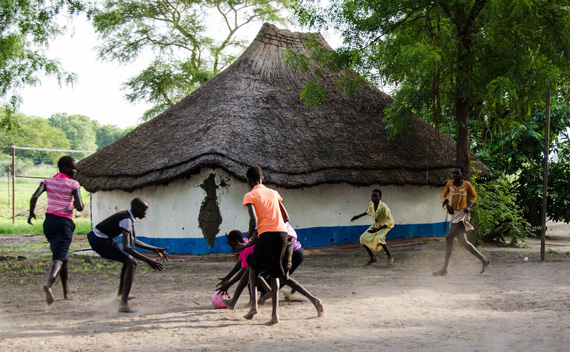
column 59, row 233
column 107, row 248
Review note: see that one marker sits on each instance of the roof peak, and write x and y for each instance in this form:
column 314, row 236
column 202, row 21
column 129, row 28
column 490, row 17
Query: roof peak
column 269, row 34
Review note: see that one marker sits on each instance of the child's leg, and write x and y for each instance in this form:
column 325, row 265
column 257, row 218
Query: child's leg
column 390, row 258
column 373, row 258
column 253, row 293
column 316, row 302
column 54, row 271
column 462, row 238
column 130, row 266
column 268, row 291
column 122, row 280
column 64, row 275
column 275, row 291
column 454, row 230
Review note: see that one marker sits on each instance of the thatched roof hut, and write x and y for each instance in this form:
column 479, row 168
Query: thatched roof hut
column 251, row 114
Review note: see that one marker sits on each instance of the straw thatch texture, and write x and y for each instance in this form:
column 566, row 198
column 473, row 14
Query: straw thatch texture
column 251, row 114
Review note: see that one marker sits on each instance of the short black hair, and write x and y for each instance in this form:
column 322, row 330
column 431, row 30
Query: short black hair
column 65, row 161
column 235, row 236
column 254, row 173
column 138, row 202
column 376, row 190
column 460, row 168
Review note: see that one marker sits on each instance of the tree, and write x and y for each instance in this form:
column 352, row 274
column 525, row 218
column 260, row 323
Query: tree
column 78, row 129
column 519, row 153
column 470, row 61
column 26, row 27
column 194, row 41
column 34, row 132
column 107, row 134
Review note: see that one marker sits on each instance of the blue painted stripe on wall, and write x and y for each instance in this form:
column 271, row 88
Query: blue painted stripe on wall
column 311, row 237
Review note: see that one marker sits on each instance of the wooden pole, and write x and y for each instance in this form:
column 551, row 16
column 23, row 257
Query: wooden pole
column 545, row 181
column 13, row 184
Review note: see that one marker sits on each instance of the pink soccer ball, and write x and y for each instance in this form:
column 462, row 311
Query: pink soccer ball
column 218, row 299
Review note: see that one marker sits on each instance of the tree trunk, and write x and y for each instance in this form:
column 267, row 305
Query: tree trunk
column 462, row 150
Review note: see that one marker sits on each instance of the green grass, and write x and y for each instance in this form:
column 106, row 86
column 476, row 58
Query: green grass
column 25, row 187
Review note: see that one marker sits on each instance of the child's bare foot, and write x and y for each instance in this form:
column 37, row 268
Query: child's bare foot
column 250, row 314
column 320, row 308
column 274, row 320
column 485, row 265
column 68, row 295
column 123, row 308
column 372, row 261
column 442, row 272
column 49, row 295
column 391, row 261
column 264, row 298
column 229, row 304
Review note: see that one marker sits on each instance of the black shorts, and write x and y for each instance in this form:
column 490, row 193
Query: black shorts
column 269, row 253
column 59, row 233
column 107, row 248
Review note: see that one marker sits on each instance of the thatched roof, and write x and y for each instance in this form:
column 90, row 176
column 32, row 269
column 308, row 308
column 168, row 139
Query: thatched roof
column 251, row 114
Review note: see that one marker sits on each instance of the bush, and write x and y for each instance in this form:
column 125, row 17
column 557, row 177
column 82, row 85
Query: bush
column 22, row 166
column 497, row 217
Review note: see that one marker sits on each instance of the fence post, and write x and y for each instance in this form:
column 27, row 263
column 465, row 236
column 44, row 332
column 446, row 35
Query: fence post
column 13, row 184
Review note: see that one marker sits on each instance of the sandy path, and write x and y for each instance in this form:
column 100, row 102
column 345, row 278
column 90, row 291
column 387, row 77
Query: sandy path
column 514, row 306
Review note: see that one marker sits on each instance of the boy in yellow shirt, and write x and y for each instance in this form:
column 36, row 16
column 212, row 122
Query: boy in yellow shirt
column 455, row 199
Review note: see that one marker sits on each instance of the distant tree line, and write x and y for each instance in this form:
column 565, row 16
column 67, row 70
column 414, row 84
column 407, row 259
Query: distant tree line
column 60, row 131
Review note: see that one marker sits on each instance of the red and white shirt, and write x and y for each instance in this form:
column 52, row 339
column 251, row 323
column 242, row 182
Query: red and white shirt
column 60, row 195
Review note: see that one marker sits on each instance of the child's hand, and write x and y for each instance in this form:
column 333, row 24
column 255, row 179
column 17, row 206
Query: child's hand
column 223, row 279
column 32, row 216
column 162, row 255
column 224, row 287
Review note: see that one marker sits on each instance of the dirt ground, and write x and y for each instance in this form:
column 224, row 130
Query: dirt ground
column 516, row 305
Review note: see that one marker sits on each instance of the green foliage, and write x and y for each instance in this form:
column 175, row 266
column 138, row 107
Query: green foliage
column 497, row 205
column 26, row 28
column 519, row 152
column 22, row 166
column 78, row 129
column 107, row 134
column 193, row 40
column 482, row 64
column 61, row 131
column 34, row 132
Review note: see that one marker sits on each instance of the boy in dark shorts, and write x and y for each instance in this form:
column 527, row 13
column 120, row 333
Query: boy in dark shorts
column 63, row 195
column 103, row 240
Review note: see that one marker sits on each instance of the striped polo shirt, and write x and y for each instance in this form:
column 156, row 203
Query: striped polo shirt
column 60, row 195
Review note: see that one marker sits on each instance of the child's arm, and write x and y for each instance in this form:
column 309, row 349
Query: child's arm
column 284, row 213
column 376, row 229
column 234, row 270
column 77, row 202
column 252, row 220
column 127, row 248
column 225, row 286
column 160, row 251
column 33, row 201
column 355, row 217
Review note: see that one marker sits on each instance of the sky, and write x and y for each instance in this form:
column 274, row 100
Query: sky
column 97, row 93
